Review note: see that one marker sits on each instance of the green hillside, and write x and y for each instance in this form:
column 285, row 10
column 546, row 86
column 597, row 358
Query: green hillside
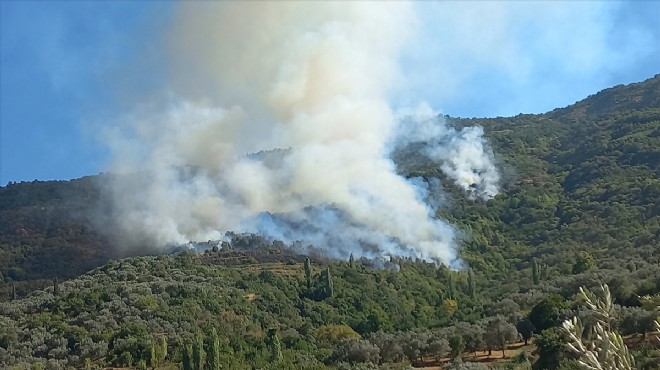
column 579, row 206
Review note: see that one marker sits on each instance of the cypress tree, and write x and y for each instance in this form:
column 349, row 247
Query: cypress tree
column 162, row 344
column 275, row 345
column 308, row 272
column 198, row 355
column 539, row 271
column 56, row 288
column 213, row 358
column 153, row 355
column 472, row 287
column 187, row 357
column 351, row 261
column 329, row 286
column 536, row 273
column 450, row 283
column 13, row 292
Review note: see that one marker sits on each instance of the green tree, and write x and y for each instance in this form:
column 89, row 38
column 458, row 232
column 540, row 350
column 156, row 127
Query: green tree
column 450, row 285
column 153, row 354
column 126, row 359
column 334, row 334
column 162, row 344
column 275, row 345
column 213, row 358
column 547, row 313
column 536, row 271
column 473, row 336
column 13, row 292
column 526, row 329
column 457, row 345
column 158, row 351
column 499, row 332
column 583, row 262
column 198, row 355
column 351, row 261
column 472, row 287
column 329, row 285
column 550, row 345
column 56, row 288
column 188, row 357
column 308, row 273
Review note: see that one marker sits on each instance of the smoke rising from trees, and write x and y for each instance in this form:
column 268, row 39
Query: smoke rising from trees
column 313, row 81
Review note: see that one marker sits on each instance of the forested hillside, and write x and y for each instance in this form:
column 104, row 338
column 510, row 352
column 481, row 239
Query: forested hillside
column 579, row 206
column 49, row 229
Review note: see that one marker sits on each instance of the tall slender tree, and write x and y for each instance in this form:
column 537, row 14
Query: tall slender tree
column 56, row 288
column 329, row 285
column 308, row 273
column 213, row 357
column 536, row 274
column 472, row 286
column 153, row 354
column 450, row 285
column 275, row 345
column 162, row 344
column 198, row 355
column 188, row 357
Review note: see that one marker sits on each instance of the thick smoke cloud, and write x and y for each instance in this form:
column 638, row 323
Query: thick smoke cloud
column 312, row 81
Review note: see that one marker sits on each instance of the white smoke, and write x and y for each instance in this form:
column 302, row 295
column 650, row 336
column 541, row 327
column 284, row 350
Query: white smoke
column 311, row 77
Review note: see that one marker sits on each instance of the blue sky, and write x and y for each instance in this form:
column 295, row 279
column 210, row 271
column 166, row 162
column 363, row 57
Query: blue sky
column 64, row 66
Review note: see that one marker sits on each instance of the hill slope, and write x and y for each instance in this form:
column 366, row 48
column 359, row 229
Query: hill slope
column 579, row 207
column 584, row 177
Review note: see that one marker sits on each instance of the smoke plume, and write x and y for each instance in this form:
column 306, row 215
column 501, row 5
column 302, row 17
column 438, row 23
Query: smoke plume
column 277, row 121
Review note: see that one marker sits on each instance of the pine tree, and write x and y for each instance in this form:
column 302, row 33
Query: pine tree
column 213, row 358
column 308, row 272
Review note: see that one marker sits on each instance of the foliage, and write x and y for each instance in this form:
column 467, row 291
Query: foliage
column 605, row 349
column 547, row 313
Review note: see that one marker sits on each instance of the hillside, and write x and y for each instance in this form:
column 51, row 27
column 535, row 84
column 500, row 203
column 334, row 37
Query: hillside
column 576, row 179
column 46, row 231
column 344, row 313
column 580, row 206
